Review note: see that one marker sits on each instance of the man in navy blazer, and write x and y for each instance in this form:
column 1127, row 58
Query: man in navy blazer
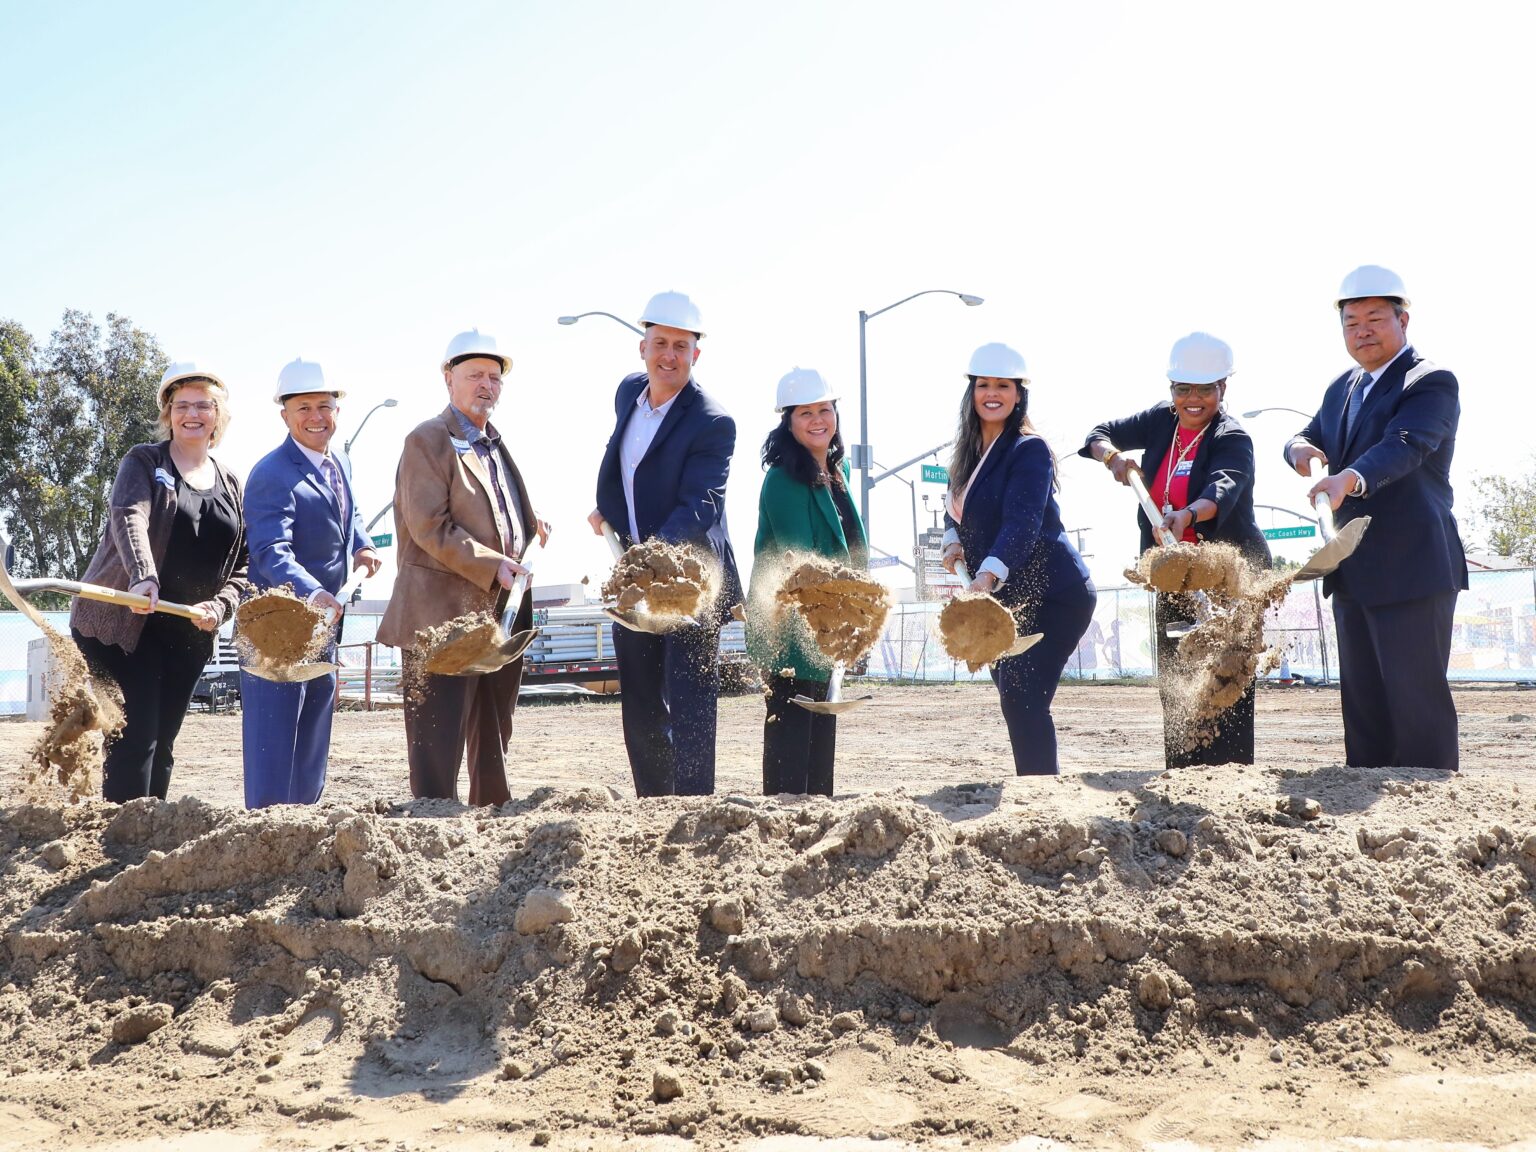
column 1387, row 429
column 663, row 476
column 302, row 524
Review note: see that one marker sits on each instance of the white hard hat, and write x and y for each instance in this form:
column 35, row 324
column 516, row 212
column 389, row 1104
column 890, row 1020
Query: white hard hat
column 474, row 343
column 300, row 377
column 1199, row 358
column 1371, row 280
column 802, row 386
column 673, row 310
column 180, row 371
column 998, row 360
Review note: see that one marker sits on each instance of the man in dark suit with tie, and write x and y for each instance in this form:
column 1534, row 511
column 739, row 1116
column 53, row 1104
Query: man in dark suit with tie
column 302, row 525
column 1388, row 429
column 663, row 476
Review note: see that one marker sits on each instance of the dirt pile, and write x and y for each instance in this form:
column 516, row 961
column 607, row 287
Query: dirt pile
column 730, row 966
column 276, row 628
column 660, row 579
column 976, row 628
column 844, row 610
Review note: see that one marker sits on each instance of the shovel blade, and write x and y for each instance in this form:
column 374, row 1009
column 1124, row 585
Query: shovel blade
column 514, row 646
column 1336, row 551
column 1020, row 646
column 289, row 673
column 830, row 707
column 656, row 625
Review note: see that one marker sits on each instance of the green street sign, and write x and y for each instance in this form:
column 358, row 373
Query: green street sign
column 935, row 474
column 1296, row 532
column 383, row 539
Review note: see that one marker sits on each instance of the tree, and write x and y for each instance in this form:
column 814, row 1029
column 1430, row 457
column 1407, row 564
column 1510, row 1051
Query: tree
column 1507, row 509
column 75, row 409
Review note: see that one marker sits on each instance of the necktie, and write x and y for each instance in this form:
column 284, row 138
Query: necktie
column 1356, row 398
column 333, row 479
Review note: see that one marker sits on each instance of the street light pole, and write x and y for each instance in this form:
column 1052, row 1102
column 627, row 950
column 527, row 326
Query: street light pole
column 863, row 455
column 351, row 440
column 569, row 320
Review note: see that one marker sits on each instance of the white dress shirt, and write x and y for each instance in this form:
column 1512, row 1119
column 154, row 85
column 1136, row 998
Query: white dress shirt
column 643, row 424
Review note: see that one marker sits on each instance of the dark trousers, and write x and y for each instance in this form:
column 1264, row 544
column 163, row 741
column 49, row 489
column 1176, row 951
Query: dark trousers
column 156, row 679
column 1398, row 711
column 1234, row 728
column 443, row 715
column 1027, row 684
column 798, row 745
column 668, row 689
column 286, row 737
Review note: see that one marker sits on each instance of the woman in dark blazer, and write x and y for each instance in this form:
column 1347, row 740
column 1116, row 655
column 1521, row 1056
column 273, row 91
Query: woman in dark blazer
column 1001, row 518
column 174, row 532
column 1198, row 465
column 805, row 506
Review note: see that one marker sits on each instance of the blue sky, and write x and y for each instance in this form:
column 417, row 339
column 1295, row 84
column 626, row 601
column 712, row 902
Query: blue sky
column 353, row 183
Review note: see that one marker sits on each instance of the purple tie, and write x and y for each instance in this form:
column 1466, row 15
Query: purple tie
column 333, row 478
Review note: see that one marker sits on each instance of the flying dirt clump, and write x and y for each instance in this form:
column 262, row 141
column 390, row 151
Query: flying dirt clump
column 82, row 714
column 1212, row 568
column 447, row 648
column 843, row 609
column 976, row 628
column 660, row 579
column 276, row 627
column 1216, row 663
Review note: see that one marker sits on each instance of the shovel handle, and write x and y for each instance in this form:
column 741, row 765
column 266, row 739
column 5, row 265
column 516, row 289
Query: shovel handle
column 1324, row 510
column 1139, row 486
column 107, row 596
column 963, row 572
column 613, row 541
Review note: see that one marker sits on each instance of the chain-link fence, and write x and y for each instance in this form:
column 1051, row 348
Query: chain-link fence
column 1494, row 639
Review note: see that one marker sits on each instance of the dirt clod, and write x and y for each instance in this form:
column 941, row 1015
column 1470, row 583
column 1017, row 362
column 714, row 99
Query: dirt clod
column 843, row 609
column 448, row 648
column 275, row 627
column 976, row 628
column 660, row 579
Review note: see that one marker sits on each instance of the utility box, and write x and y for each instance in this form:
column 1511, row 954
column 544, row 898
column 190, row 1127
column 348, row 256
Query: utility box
column 39, row 678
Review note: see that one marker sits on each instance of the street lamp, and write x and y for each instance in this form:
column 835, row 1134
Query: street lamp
column 1261, row 411
column 863, row 456
column 569, row 320
column 347, row 447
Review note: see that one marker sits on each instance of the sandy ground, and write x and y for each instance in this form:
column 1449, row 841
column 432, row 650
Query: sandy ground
column 1289, row 955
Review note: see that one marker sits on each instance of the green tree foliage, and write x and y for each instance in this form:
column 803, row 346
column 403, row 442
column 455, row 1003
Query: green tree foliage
column 68, row 413
column 1507, row 510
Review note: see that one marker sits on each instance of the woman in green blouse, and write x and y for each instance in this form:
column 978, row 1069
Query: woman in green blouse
column 804, row 507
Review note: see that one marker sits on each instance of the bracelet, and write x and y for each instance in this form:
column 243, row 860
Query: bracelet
column 1109, row 455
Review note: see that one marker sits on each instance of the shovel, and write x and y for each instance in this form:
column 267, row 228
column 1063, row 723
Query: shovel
column 1020, row 646
column 629, row 618
column 834, row 704
column 515, row 644
column 1164, row 537
column 1338, row 543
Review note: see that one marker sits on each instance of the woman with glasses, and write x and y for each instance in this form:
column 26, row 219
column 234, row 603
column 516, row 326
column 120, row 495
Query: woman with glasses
column 1197, row 464
column 174, row 532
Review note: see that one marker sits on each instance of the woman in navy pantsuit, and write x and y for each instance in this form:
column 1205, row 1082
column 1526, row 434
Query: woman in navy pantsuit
column 1003, row 521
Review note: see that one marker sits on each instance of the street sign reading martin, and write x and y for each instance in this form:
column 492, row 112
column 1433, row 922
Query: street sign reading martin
column 935, row 474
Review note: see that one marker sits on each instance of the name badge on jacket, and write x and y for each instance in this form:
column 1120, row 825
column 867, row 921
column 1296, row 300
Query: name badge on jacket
column 460, row 446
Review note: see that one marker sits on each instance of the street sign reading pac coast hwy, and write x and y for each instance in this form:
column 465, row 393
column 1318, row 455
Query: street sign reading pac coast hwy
column 935, row 474
column 383, row 539
column 1295, row 532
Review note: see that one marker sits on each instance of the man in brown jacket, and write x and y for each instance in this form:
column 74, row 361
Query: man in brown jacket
column 464, row 520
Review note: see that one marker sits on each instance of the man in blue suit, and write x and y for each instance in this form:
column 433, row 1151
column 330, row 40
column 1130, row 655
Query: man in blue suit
column 1387, row 429
column 302, row 524
column 663, row 477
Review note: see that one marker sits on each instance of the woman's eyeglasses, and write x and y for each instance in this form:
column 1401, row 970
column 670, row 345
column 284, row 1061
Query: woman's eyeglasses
column 201, row 407
column 1183, row 390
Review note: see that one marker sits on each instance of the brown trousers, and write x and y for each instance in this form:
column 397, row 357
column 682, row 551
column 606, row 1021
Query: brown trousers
column 443, row 714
